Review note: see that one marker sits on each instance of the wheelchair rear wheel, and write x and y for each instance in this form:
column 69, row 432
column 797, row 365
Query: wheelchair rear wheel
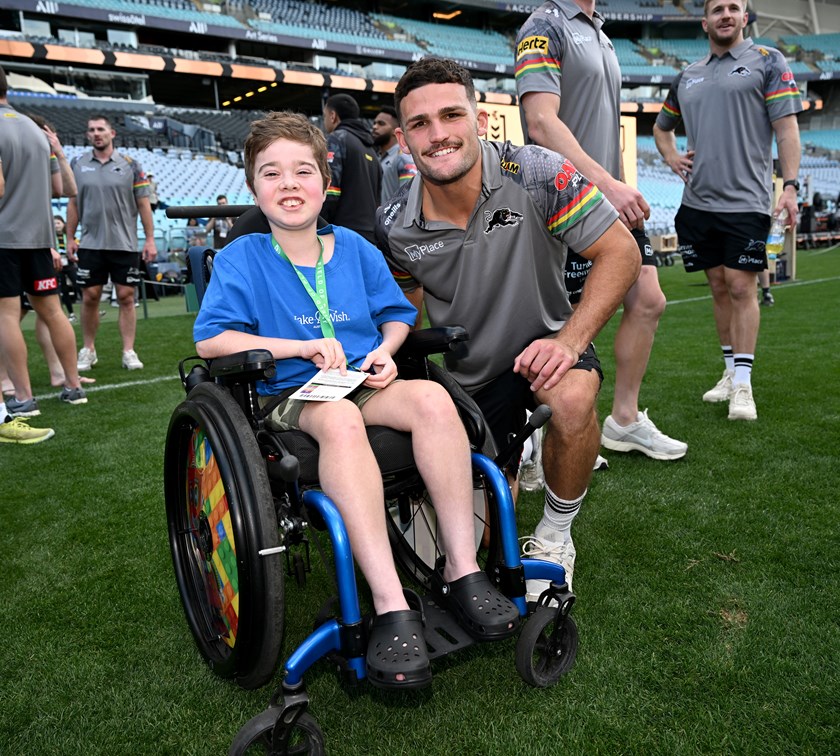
column 223, row 536
column 416, row 541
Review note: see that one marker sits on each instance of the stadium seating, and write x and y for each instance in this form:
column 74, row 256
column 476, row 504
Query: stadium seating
column 483, row 46
column 179, row 10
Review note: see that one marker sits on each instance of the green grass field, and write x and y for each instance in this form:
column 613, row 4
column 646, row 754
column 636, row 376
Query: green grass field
column 708, row 589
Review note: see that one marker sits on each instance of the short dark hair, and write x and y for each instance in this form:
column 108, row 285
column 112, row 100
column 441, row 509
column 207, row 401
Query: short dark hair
column 100, row 117
column 388, row 110
column 221, row 196
column 343, row 105
column 4, row 87
column 432, row 70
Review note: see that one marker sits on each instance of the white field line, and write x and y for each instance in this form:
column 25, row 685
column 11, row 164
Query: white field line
column 783, row 286
column 93, row 388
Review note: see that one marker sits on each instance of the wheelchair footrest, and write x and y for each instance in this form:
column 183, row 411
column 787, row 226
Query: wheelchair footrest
column 442, row 633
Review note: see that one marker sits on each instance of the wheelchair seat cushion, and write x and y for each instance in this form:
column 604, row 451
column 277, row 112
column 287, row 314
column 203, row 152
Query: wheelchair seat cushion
column 396, row 652
column 477, row 605
column 391, row 448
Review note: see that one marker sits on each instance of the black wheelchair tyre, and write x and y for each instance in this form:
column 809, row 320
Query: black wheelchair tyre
column 546, row 648
column 220, row 515
column 256, row 736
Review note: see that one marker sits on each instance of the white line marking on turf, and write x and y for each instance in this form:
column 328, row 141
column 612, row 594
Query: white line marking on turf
column 784, row 286
column 92, row 389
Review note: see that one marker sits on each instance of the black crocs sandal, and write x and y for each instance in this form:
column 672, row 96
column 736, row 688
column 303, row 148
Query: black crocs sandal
column 478, row 606
column 396, row 647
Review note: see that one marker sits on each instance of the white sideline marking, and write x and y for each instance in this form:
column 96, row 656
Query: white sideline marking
column 784, row 286
column 92, row 389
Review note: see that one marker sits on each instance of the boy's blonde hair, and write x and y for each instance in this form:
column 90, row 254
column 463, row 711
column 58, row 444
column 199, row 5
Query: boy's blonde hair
column 285, row 125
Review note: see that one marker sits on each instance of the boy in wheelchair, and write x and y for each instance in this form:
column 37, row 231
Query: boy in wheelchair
column 327, row 300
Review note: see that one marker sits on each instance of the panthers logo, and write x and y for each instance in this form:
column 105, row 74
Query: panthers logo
column 504, row 216
column 740, row 71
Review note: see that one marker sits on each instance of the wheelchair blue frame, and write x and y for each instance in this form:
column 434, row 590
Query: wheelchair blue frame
column 327, row 638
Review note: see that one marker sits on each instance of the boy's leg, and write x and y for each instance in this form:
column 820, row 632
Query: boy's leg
column 442, row 454
column 350, row 476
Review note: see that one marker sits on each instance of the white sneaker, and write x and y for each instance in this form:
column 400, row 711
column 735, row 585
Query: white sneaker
column 130, row 360
column 601, row 463
column 531, row 477
column 641, row 436
column 722, row 390
column 741, row 403
column 86, row 360
column 559, row 552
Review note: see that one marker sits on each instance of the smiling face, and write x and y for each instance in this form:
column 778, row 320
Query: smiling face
column 288, row 185
column 441, row 127
column 724, row 21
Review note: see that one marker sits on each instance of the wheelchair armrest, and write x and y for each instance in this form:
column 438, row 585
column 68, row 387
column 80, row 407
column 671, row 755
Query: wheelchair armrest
column 434, row 341
column 250, row 365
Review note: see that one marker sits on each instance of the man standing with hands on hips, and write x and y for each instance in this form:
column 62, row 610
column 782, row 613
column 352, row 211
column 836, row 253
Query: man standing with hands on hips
column 732, row 102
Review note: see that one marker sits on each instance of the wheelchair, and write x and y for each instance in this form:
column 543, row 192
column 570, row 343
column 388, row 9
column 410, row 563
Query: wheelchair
column 243, row 502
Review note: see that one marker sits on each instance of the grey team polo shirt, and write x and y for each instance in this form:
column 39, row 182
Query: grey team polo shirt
column 107, row 201
column 560, row 50
column 502, row 277
column 728, row 105
column 25, row 208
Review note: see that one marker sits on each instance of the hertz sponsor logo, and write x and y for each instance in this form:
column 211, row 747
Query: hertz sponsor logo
column 531, row 45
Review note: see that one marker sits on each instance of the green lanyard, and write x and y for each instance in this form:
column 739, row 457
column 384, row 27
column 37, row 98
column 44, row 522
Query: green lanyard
column 319, row 294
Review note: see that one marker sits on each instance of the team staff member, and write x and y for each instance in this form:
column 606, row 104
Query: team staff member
column 33, row 165
column 484, row 218
column 569, row 85
column 112, row 191
column 356, row 176
column 732, row 103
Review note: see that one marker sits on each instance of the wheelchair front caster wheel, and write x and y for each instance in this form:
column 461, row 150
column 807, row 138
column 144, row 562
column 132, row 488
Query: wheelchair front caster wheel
column 269, row 733
column 546, row 648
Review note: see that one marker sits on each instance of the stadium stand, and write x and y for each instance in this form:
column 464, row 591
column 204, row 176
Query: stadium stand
column 487, row 46
column 173, row 9
column 194, row 152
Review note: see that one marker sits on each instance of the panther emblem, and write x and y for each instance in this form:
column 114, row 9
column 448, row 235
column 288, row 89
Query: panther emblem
column 504, row 216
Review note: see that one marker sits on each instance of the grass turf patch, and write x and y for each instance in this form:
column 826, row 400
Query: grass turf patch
column 707, row 587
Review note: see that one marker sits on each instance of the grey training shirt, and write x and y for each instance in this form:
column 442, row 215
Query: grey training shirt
column 25, row 208
column 107, row 201
column 728, row 105
column 501, row 277
column 560, row 50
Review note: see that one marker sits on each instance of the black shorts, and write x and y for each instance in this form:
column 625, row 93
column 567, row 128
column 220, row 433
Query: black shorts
column 504, row 400
column 708, row 239
column 29, row 270
column 577, row 267
column 96, row 265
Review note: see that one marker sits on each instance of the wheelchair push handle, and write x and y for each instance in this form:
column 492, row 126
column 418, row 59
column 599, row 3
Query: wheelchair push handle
column 539, row 417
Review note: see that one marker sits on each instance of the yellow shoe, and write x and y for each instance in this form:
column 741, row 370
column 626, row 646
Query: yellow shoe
column 17, row 431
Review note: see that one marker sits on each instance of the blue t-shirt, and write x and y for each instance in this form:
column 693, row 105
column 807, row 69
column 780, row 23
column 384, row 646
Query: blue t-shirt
column 255, row 291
